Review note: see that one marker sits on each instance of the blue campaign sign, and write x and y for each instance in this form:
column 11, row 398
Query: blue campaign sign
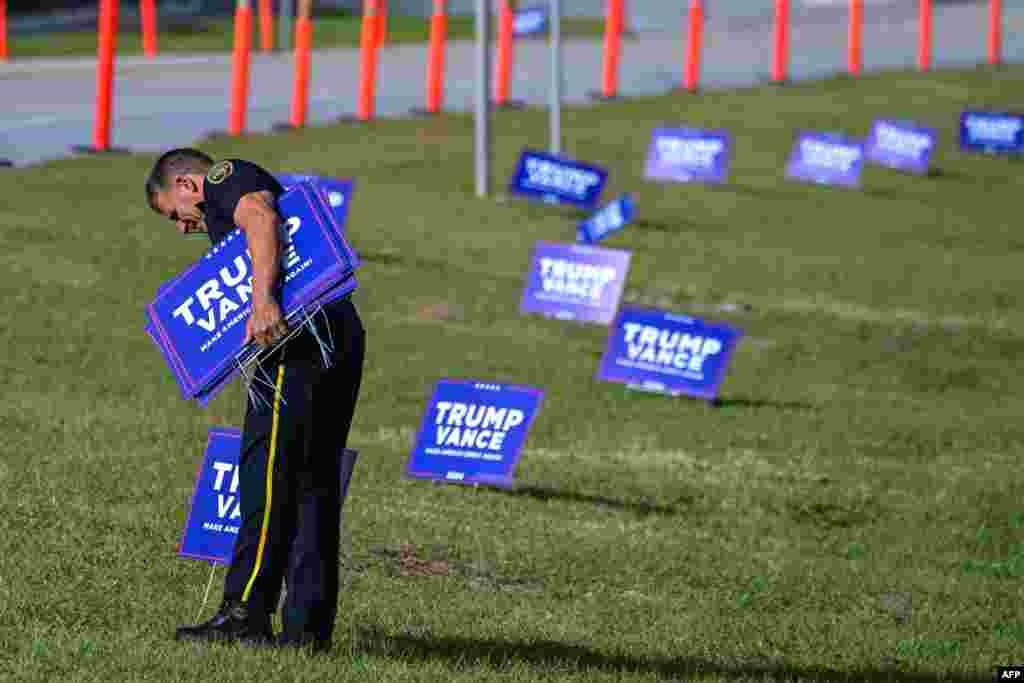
column 575, row 282
column 211, row 527
column 337, row 190
column 612, row 218
column 686, row 155
column 991, row 132
column 557, row 180
column 668, row 353
column 901, row 146
column 200, row 315
column 530, row 21
column 826, row 159
column 472, row 432
column 168, row 358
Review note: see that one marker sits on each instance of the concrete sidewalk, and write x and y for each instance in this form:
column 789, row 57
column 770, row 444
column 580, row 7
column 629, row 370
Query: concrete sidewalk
column 176, row 100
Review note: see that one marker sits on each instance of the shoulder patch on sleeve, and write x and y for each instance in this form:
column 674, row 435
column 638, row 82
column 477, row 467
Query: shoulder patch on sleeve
column 220, row 171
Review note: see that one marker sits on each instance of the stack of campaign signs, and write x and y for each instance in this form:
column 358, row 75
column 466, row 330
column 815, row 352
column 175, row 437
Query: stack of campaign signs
column 197, row 319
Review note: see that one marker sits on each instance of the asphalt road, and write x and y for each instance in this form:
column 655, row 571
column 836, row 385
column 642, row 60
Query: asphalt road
column 176, row 100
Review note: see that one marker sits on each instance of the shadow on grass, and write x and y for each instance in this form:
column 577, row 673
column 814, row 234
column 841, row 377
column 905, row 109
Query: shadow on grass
column 549, row 654
column 639, row 507
column 758, row 192
column 661, row 226
column 887, row 193
column 955, row 176
column 741, row 402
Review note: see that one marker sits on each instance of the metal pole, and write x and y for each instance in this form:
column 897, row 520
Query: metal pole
column 555, row 104
column 284, row 24
column 483, row 90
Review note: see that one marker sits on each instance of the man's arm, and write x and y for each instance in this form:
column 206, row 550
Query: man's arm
column 258, row 217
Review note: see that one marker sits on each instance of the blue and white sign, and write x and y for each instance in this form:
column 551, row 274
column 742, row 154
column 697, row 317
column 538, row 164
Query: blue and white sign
column 211, row 528
column 901, row 146
column 208, row 392
column 529, row 21
column 612, row 218
column 473, row 432
column 992, row 133
column 668, row 353
column 557, row 180
column 575, row 282
column 826, row 159
column 338, row 191
column 685, row 155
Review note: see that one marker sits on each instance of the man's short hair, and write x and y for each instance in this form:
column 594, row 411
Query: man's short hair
column 181, row 161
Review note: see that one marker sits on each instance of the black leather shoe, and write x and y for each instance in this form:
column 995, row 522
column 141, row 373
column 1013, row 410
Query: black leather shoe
column 232, row 623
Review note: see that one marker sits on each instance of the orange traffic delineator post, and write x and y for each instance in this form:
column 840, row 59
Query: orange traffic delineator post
column 240, row 67
column 369, row 43
column 780, row 60
column 303, row 59
column 382, row 23
column 853, row 58
column 612, row 52
column 4, row 163
column 3, row 30
column 995, row 32
column 503, row 64
column 924, row 43
column 435, row 59
column 147, row 10
column 266, row 25
column 693, row 44
column 106, row 48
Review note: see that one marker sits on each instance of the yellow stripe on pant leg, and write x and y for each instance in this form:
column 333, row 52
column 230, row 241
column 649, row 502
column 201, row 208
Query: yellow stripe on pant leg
column 270, row 485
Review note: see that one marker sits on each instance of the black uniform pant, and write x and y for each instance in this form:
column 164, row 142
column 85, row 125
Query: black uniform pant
column 289, row 480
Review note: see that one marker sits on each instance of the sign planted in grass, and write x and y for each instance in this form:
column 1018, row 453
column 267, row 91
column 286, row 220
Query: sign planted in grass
column 608, row 221
column 668, row 353
column 826, row 159
column 215, row 513
column 558, row 180
column 686, row 155
column 992, row 132
column 901, row 146
column 211, row 526
column 472, row 432
column 575, row 282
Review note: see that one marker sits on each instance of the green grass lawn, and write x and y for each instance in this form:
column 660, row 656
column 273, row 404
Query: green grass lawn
column 330, row 30
column 851, row 510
